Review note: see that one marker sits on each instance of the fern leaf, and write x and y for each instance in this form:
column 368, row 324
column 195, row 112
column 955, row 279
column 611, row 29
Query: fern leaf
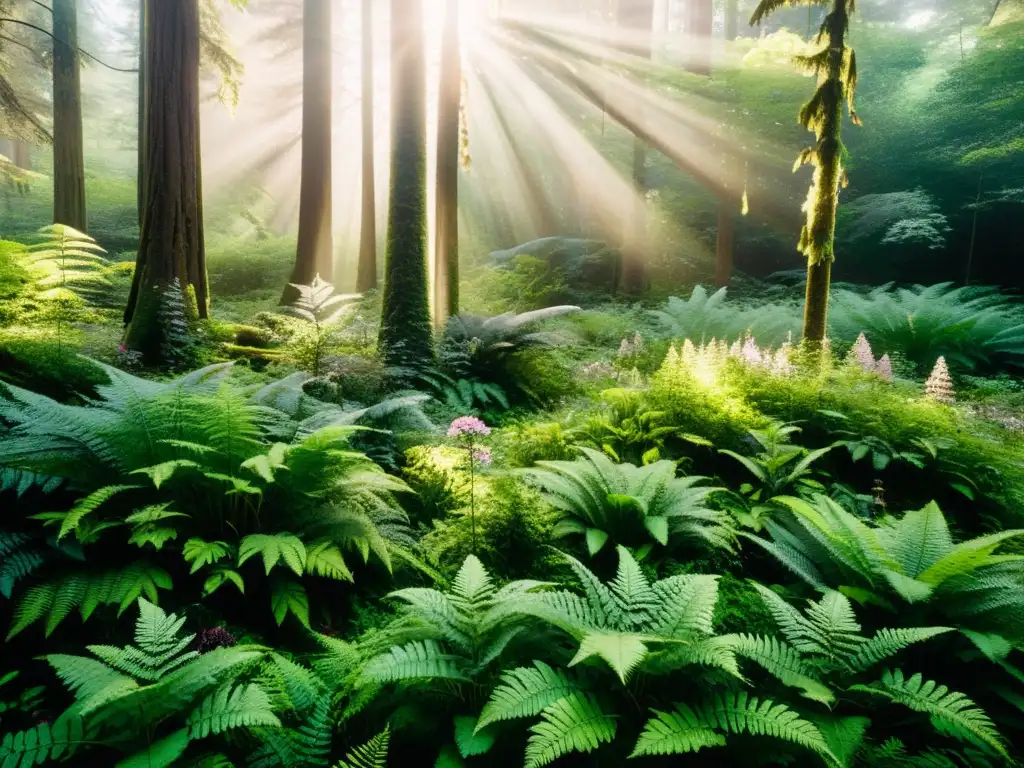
column 273, row 548
column 686, row 606
column 524, row 692
column 372, row 754
column 89, row 504
column 950, row 712
column 44, row 742
column 415, row 660
column 783, row 662
column 571, row 724
column 289, row 597
column 622, row 652
column 228, row 707
column 470, row 740
column 324, row 558
column 159, row 754
column 889, row 642
column 676, row 733
column 200, row 553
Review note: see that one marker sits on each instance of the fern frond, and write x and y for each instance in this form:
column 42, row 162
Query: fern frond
column 622, row 652
column 888, row 642
column 782, row 662
column 686, row 605
column 274, row 548
column 229, row 707
column 524, row 692
column 415, row 660
column 691, row 728
column 161, row 647
column 372, row 754
column 574, row 723
column 44, row 742
column 951, row 712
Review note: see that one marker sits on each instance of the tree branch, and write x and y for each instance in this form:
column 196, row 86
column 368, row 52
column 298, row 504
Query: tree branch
column 66, row 44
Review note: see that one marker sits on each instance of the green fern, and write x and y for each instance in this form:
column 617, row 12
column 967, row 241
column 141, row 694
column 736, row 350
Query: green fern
column 372, row 754
column 44, row 742
column 574, row 723
column 232, row 707
column 689, row 729
column 629, row 505
column 951, row 712
column 274, row 548
column 161, row 647
column 525, row 692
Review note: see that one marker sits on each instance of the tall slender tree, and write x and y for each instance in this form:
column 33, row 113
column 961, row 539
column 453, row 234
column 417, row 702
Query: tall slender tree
column 366, row 276
column 836, row 69
column 446, row 218
column 314, row 252
column 141, row 165
column 171, row 243
column 636, row 17
column 699, row 21
column 68, row 153
column 732, row 19
column 405, row 332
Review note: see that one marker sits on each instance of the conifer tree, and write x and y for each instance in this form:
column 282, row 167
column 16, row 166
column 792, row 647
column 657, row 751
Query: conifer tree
column 314, row 254
column 171, row 243
column 68, row 153
column 405, row 332
column 446, row 219
column 836, row 69
column 366, row 275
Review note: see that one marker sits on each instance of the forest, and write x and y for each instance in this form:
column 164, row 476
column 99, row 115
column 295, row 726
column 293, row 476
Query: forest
column 511, row 383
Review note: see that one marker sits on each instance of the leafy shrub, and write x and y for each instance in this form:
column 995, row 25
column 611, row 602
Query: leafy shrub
column 626, row 505
column 239, row 267
column 705, row 316
column 973, row 328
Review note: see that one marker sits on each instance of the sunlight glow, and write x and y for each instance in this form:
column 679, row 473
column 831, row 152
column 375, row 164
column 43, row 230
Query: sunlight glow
column 919, row 20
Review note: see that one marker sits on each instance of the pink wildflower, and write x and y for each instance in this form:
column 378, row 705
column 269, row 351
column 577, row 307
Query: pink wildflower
column 483, row 456
column 468, row 425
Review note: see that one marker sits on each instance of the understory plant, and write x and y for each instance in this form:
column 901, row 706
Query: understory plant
column 622, row 504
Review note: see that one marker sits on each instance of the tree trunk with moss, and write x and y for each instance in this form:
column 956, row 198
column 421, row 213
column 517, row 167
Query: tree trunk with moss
column 405, row 332
column 171, row 244
column 140, row 173
column 366, row 275
column 314, row 254
column 446, row 218
column 836, row 69
column 68, row 154
column 637, row 18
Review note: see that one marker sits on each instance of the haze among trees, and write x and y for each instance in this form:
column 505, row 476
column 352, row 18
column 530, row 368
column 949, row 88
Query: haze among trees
column 511, row 383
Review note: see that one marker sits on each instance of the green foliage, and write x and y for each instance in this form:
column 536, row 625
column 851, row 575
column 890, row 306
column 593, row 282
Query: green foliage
column 705, row 316
column 372, row 754
column 629, row 505
column 319, row 306
column 150, row 700
column 140, row 453
column 971, row 327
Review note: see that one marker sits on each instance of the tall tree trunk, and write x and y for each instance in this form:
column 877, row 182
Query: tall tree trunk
column 446, row 211
column 699, row 20
column 405, row 332
column 141, row 165
column 68, row 154
column 171, row 244
column 817, row 241
column 314, row 254
column 366, row 276
column 637, row 18
column 732, row 19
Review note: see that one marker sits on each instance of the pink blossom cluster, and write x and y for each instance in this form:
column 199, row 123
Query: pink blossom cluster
column 467, row 426
column 483, row 456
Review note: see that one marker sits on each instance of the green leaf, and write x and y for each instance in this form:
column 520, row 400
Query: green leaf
column 289, row 597
column 622, row 652
column 155, row 535
column 159, row 754
column 161, row 473
column 657, row 526
column 220, row 576
column 200, row 553
column 469, row 740
column 596, row 539
column 325, row 559
column 273, row 548
column 572, row 724
column 88, row 504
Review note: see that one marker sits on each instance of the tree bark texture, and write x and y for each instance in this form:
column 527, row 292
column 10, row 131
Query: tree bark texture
column 171, row 244
column 68, row 153
column 141, row 169
column 405, row 333
column 446, row 218
column 699, row 20
column 366, row 275
column 315, row 249
column 817, row 241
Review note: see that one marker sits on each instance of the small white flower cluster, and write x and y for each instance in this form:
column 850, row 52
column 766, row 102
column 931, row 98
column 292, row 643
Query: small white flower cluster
column 939, row 385
column 600, row 369
column 630, row 347
column 706, row 360
column 862, row 356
